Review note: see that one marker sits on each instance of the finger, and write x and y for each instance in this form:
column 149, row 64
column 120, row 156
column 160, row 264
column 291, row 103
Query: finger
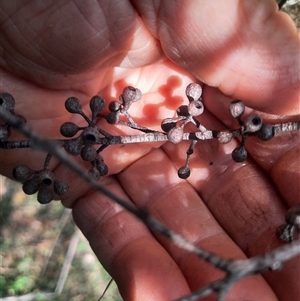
column 60, row 44
column 141, row 267
column 175, row 203
column 248, row 50
column 278, row 156
column 286, row 175
column 242, row 198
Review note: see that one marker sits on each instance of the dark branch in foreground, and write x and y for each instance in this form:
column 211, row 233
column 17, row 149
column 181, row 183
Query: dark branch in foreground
column 238, row 269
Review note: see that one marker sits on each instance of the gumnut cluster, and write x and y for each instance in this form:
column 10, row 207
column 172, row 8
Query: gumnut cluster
column 288, row 231
column 42, row 182
column 174, row 127
column 252, row 126
column 7, row 102
column 126, row 99
column 85, row 144
column 186, row 114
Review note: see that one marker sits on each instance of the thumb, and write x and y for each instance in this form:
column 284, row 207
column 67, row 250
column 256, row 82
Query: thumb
column 248, row 49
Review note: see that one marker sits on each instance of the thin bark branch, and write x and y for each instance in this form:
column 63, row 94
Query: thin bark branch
column 235, row 269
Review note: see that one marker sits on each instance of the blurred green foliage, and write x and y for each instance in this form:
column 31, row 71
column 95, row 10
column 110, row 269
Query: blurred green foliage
column 34, row 241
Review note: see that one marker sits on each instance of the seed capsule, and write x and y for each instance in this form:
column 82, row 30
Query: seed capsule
column 175, row 135
column 60, row 188
column 69, row 129
column 7, row 102
column 112, row 118
column 239, row 154
column 224, row 137
column 93, row 172
column 193, row 91
column 183, row 111
column 44, row 195
column 285, row 233
column 292, row 217
column 73, row 105
column 96, row 104
column 73, row 147
column 184, row 172
column 266, row 132
column 114, row 106
column 45, row 177
column 88, row 153
column 195, row 108
column 101, row 167
column 167, row 124
column 237, row 108
column 253, row 123
column 130, row 95
column 22, row 173
column 31, row 186
column 90, row 135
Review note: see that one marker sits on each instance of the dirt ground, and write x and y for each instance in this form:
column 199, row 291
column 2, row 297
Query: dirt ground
column 294, row 12
column 42, row 253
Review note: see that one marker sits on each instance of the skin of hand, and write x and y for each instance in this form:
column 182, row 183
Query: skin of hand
column 241, row 50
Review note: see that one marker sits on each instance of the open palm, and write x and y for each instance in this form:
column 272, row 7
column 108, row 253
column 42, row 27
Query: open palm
column 245, row 50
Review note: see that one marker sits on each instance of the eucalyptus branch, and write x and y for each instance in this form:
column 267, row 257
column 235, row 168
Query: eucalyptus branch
column 53, row 149
column 90, row 141
column 235, row 269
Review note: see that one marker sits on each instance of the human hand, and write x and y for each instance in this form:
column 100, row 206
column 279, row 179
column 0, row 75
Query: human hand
column 250, row 52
